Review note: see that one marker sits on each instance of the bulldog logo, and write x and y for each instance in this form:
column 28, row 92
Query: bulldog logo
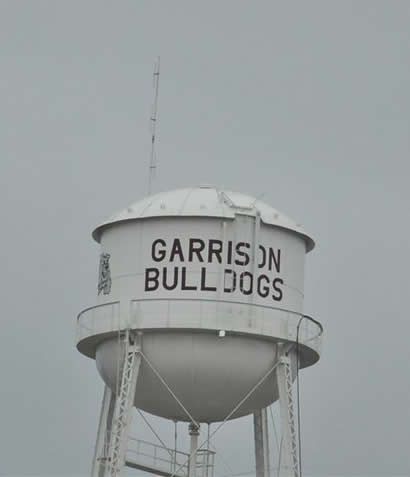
column 104, row 274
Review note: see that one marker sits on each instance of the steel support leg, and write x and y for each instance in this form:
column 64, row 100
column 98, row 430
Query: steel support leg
column 194, row 433
column 104, row 428
column 289, row 466
column 124, row 404
column 260, row 425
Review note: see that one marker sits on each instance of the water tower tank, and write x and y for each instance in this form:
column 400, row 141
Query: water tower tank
column 214, row 280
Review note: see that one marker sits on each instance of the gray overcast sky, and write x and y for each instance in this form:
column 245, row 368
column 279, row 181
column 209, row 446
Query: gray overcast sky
column 306, row 102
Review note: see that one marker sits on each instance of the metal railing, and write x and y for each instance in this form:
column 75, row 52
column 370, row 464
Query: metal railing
column 162, row 460
column 156, row 457
column 96, row 317
column 205, row 463
column 159, row 459
column 291, row 325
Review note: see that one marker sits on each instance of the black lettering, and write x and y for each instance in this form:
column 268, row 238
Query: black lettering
column 196, row 246
column 176, row 250
column 229, row 254
column 184, row 286
column 158, row 255
column 279, row 295
column 164, row 279
column 263, row 290
column 242, row 283
column 203, row 281
column 151, row 275
column 242, row 253
column 229, row 287
column 274, row 260
column 215, row 248
column 262, row 262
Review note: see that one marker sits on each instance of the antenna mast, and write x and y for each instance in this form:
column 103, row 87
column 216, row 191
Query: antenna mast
column 153, row 120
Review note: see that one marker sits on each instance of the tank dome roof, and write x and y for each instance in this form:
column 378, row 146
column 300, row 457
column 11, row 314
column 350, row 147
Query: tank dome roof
column 203, row 201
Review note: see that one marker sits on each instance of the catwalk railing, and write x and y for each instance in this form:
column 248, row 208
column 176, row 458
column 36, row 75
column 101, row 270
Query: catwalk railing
column 160, row 460
column 199, row 314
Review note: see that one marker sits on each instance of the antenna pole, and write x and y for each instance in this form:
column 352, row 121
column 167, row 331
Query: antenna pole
column 153, row 120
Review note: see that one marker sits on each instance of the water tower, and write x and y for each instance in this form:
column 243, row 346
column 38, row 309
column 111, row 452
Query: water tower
column 199, row 318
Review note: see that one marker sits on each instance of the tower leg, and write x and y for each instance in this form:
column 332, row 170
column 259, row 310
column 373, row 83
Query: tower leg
column 194, row 433
column 289, row 462
column 123, row 404
column 260, row 425
column 104, row 428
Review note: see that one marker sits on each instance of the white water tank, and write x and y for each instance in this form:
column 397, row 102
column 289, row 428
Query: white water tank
column 214, row 280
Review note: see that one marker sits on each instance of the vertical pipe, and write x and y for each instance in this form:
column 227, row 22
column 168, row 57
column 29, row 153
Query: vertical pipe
column 194, row 433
